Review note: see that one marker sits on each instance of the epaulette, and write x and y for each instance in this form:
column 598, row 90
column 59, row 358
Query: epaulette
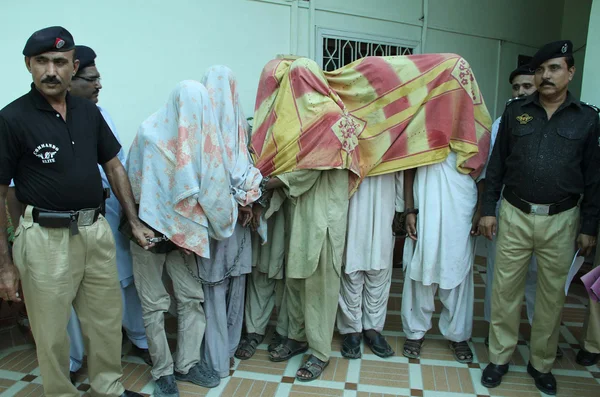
column 590, row 105
column 511, row 100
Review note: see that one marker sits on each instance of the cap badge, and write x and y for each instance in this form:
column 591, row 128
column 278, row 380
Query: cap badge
column 59, row 43
column 524, row 119
column 564, row 48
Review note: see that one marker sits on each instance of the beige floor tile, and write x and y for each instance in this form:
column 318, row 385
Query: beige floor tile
column 312, row 391
column 237, row 387
column 447, row 379
column 260, row 363
column 384, row 374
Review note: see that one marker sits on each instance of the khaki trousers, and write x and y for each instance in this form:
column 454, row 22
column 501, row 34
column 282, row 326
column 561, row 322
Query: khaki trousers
column 591, row 326
column 552, row 239
column 59, row 270
column 312, row 304
column 148, row 276
column 262, row 295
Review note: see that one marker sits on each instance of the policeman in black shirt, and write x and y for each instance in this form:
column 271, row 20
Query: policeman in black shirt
column 51, row 144
column 547, row 157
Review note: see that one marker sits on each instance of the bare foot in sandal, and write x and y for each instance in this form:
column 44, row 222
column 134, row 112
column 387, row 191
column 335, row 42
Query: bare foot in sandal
column 412, row 348
column 462, row 352
column 311, row 369
column 248, row 345
column 287, row 350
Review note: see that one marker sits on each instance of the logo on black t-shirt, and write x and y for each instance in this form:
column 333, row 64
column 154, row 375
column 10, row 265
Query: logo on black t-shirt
column 46, row 152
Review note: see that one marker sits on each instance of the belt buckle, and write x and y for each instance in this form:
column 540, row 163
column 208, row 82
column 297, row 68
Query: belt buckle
column 86, row 217
column 538, row 209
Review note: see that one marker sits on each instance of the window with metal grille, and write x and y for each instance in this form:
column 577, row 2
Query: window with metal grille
column 338, row 52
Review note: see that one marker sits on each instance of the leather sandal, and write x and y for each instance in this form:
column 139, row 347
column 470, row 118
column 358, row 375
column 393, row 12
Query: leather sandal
column 314, row 367
column 287, row 350
column 351, row 346
column 248, row 345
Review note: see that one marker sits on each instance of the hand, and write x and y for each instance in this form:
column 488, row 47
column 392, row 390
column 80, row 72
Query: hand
column 256, row 214
column 585, row 243
column 9, row 282
column 475, row 231
column 410, row 223
column 142, row 234
column 187, row 252
column 487, row 226
column 244, row 215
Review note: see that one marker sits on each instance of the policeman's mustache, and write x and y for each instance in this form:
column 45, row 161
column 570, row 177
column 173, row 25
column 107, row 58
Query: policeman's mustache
column 51, row 80
column 546, row 82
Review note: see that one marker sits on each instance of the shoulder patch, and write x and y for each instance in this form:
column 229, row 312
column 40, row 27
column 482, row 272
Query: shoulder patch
column 512, row 100
column 591, row 106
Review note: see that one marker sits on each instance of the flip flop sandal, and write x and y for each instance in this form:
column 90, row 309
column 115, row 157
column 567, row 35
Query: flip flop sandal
column 276, row 340
column 351, row 346
column 379, row 346
column 462, row 352
column 248, row 345
column 314, row 367
column 412, row 345
column 285, row 351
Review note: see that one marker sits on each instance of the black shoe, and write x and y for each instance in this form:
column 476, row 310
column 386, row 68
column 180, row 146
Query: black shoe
column 165, row 386
column 73, row 377
column 545, row 382
column 144, row 354
column 492, row 375
column 586, row 358
column 559, row 352
column 129, row 393
column 200, row 375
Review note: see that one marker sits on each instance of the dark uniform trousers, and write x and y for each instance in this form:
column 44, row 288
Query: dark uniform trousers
column 552, row 239
column 59, row 270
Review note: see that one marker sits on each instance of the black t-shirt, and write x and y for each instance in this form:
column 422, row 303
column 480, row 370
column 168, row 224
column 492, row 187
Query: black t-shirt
column 54, row 163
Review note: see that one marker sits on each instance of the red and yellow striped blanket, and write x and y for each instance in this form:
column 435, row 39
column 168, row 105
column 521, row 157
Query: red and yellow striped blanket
column 375, row 116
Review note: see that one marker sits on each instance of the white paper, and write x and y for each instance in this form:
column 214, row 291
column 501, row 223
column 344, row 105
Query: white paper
column 575, row 266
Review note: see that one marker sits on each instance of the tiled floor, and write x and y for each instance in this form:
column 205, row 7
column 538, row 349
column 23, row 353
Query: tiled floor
column 436, row 374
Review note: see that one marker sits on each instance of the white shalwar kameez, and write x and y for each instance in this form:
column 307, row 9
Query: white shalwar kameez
column 442, row 257
column 367, row 272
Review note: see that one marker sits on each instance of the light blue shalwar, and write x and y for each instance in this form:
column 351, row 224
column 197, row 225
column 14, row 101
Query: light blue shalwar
column 132, row 308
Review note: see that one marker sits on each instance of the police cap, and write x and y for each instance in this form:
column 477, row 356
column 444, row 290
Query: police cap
column 556, row 49
column 521, row 70
column 86, row 56
column 54, row 38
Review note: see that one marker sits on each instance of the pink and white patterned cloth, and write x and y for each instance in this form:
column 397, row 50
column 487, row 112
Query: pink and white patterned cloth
column 178, row 174
column 222, row 90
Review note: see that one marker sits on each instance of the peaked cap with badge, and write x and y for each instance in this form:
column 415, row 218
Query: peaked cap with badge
column 556, row 49
column 523, row 70
column 51, row 39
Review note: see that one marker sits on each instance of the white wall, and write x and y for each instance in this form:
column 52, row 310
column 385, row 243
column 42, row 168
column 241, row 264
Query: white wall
column 145, row 46
column 575, row 28
column 591, row 71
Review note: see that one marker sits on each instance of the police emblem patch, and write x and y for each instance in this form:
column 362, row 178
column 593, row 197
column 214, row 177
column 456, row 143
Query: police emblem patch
column 524, row 118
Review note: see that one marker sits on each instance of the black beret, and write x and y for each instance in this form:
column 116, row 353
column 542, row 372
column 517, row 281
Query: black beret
column 521, row 70
column 86, row 56
column 556, row 49
column 54, row 38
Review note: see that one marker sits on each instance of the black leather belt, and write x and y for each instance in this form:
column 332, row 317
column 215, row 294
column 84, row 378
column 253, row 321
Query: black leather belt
column 540, row 209
column 65, row 219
